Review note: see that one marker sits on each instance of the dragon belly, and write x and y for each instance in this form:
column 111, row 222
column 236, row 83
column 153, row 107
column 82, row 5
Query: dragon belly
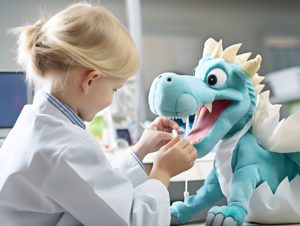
column 281, row 207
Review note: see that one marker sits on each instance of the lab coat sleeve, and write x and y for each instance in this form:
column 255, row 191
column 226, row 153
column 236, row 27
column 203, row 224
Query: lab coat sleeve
column 85, row 185
column 149, row 209
column 131, row 166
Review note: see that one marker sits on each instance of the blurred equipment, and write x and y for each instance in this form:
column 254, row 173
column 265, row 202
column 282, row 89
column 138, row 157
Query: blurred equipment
column 14, row 94
column 285, row 85
column 282, row 51
column 123, row 133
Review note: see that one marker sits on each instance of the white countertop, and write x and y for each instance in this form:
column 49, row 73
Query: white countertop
column 199, row 171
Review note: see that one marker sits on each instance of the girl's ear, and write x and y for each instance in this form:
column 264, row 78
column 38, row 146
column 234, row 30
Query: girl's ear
column 88, row 80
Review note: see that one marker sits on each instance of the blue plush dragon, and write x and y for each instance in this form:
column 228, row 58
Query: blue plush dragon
column 257, row 158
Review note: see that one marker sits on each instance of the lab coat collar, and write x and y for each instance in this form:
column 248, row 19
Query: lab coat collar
column 51, row 105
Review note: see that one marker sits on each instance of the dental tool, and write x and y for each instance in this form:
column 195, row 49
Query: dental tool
column 186, row 193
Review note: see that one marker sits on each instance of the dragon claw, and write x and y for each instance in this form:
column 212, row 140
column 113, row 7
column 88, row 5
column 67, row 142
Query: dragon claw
column 218, row 220
column 209, row 219
column 229, row 221
column 225, row 216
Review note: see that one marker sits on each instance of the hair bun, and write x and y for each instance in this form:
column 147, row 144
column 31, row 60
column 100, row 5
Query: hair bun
column 38, row 25
column 30, row 35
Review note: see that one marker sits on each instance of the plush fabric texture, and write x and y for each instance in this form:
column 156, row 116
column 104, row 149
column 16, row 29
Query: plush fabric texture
column 257, row 162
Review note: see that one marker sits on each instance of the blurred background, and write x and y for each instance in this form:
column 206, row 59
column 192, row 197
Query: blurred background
column 170, row 35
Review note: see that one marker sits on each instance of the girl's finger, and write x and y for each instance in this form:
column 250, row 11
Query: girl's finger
column 171, row 142
column 164, row 135
column 168, row 125
column 173, row 124
column 185, row 144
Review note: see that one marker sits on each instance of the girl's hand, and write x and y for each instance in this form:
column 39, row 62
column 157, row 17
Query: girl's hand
column 164, row 124
column 173, row 158
column 155, row 136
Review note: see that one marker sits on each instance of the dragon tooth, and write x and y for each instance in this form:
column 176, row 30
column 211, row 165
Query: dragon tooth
column 197, row 114
column 184, row 119
column 209, row 107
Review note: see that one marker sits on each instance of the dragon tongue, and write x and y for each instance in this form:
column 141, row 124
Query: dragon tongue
column 205, row 120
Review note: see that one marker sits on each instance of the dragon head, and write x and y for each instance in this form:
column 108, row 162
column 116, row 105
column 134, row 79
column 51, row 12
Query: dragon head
column 221, row 93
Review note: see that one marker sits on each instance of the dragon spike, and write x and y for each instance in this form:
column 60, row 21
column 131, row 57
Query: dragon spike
column 242, row 58
column 209, row 46
column 217, row 50
column 257, row 79
column 230, row 52
column 259, row 88
column 252, row 66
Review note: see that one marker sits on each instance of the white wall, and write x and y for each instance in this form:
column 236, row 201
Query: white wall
column 14, row 13
column 233, row 21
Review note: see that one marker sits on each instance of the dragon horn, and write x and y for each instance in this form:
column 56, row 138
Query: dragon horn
column 209, row 46
column 259, row 88
column 257, row 79
column 252, row 66
column 230, row 52
column 242, row 58
column 218, row 50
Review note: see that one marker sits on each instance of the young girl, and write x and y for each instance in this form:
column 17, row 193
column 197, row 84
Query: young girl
column 53, row 172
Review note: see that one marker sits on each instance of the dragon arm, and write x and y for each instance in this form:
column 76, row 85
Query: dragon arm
column 244, row 183
column 246, row 175
column 206, row 196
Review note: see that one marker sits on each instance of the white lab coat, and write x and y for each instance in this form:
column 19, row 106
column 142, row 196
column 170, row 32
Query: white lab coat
column 53, row 172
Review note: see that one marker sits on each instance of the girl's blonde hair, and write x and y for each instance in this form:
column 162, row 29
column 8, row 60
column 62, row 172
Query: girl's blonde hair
column 78, row 36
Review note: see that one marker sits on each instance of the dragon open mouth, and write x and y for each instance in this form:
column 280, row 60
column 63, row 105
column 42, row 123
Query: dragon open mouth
column 205, row 119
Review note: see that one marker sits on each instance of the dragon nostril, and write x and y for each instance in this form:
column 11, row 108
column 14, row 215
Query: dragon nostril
column 159, row 76
column 169, row 79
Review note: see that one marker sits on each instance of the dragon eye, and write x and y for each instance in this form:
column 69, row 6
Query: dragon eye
column 216, row 78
